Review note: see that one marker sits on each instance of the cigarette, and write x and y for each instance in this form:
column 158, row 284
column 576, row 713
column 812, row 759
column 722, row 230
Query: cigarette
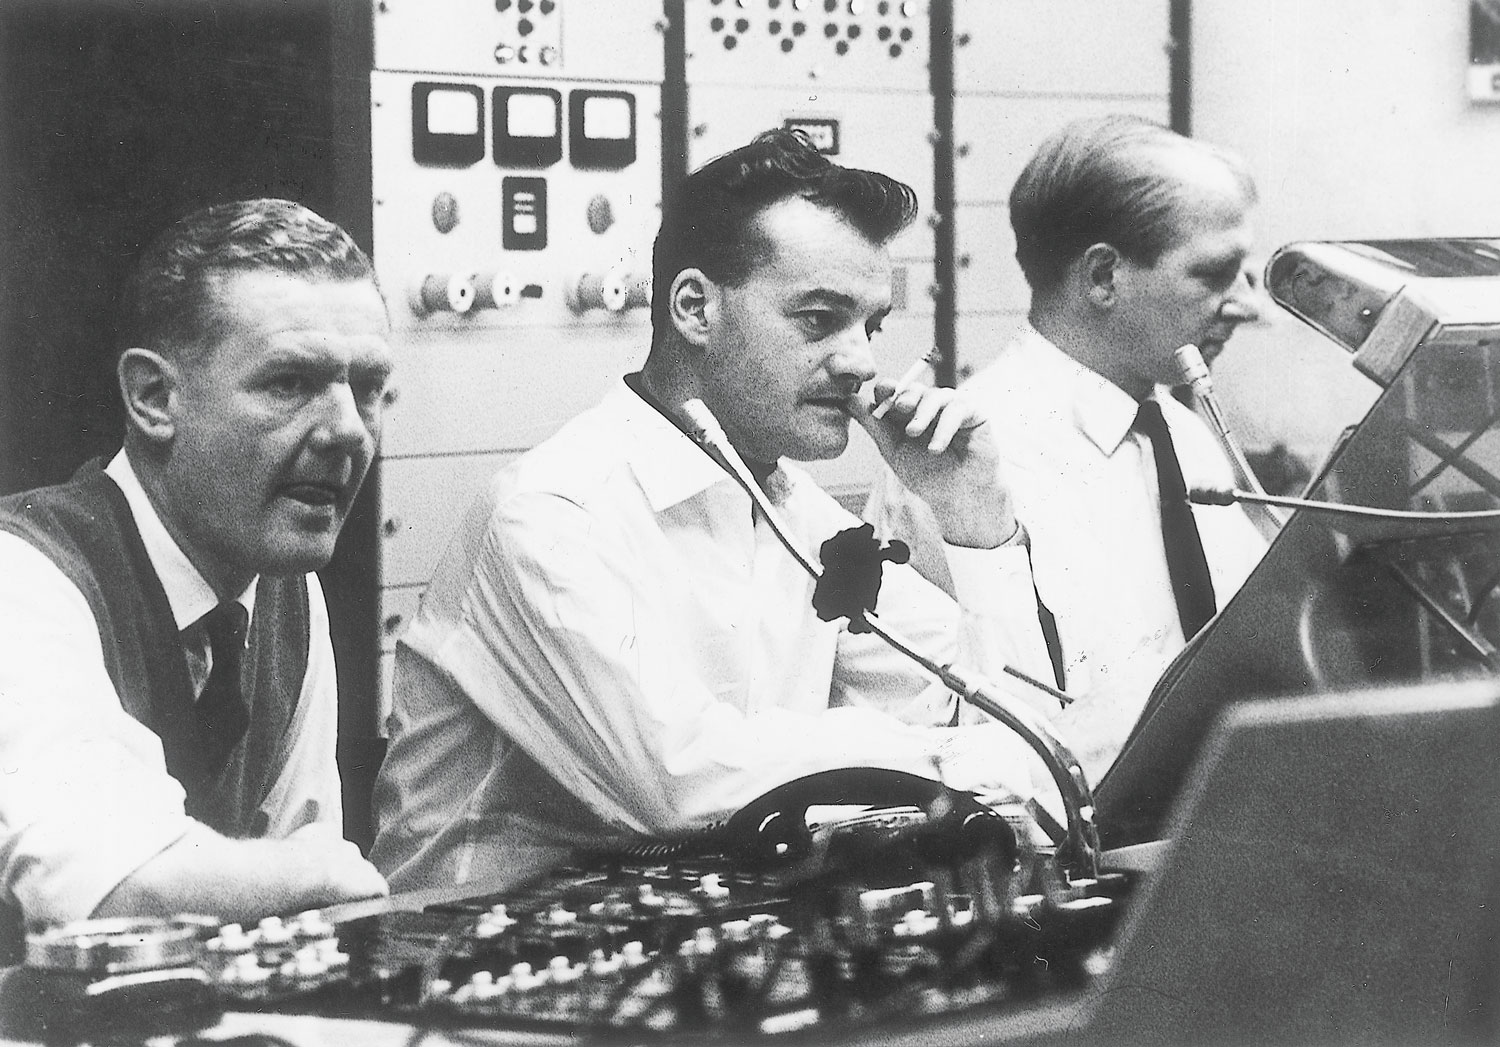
column 915, row 373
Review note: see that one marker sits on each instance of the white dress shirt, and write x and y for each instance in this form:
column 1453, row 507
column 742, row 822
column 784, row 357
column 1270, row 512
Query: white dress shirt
column 615, row 645
column 85, row 797
column 1084, row 484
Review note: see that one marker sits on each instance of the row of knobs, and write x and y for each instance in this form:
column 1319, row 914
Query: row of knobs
column 613, row 290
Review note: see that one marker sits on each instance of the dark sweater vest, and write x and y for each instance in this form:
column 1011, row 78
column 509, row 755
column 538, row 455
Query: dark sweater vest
column 86, row 528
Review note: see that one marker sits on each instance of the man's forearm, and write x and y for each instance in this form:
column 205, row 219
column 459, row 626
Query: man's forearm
column 243, row 880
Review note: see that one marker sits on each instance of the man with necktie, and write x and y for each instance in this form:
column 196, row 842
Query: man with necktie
column 168, row 704
column 1134, row 241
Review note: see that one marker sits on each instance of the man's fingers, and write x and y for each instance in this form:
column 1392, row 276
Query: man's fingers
column 955, row 418
column 890, row 394
column 925, row 411
column 882, row 389
column 939, row 416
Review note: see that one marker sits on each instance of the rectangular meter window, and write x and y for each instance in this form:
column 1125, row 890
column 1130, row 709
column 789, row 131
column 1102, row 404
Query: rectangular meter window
column 528, row 127
column 447, row 124
column 601, row 128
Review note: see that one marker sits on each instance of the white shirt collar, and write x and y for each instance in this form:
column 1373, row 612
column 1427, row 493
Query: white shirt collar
column 1102, row 411
column 670, row 467
column 188, row 594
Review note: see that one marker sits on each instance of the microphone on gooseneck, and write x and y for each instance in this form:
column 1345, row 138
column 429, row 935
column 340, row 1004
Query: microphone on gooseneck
column 1196, row 375
column 1082, row 850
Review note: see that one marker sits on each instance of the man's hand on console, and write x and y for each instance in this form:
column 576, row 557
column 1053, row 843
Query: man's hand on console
column 244, row 880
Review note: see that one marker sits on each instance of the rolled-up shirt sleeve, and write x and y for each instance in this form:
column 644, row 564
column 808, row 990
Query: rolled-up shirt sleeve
column 85, row 797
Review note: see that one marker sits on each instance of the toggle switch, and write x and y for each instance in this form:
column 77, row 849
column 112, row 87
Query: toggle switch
column 614, row 290
column 443, row 293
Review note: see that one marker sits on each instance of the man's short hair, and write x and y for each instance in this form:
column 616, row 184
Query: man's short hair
column 710, row 225
column 1101, row 180
column 168, row 298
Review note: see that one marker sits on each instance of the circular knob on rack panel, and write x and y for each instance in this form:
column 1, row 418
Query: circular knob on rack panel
column 443, row 293
column 614, row 290
column 496, row 290
column 445, row 212
column 600, row 214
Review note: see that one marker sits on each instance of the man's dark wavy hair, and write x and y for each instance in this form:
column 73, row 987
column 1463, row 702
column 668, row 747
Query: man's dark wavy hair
column 711, row 224
column 168, row 300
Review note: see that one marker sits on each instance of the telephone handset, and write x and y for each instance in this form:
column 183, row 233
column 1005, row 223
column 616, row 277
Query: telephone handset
column 900, row 812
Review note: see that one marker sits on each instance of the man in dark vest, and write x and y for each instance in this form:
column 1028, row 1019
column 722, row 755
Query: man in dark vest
column 167, row 686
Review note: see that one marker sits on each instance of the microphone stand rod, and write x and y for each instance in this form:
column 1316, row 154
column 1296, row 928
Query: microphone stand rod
column 1215, row 496
column 1195, row 373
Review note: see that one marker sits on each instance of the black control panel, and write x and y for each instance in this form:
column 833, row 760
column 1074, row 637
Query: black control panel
column 894, row 916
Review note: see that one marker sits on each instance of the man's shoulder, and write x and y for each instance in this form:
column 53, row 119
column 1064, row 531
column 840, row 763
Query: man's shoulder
column 1022, row 407
column 69, row 519
column 83, row 492
column 578, row 469
column 1012, row 376
column 573, row 462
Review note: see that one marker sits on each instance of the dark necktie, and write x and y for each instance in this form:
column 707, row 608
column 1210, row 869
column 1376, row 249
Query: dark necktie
column 220, row 710
column 1191, row 585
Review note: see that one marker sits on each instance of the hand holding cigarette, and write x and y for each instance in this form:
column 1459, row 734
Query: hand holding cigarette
column 921, row 371
column 937, row 443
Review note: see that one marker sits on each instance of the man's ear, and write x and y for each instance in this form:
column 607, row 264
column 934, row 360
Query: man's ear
column 1100, row 271
column 148, row 383
column 694, row 301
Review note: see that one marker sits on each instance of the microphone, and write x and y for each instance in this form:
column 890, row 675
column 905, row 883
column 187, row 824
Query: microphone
column 1196, row 375
column 1082, row 852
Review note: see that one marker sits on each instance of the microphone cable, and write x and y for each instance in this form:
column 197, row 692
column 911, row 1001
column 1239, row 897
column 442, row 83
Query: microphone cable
column 1083, row 848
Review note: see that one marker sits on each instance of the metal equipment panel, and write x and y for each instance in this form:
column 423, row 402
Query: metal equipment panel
column 507, row 390
column 400, row 605
column 989, row 280
column 1086, row 47
column 981, row 336
column 516, row 159
column 533, row 39
column 816, row 45
column 997, row 135
column 424, row 501
column 441, row 229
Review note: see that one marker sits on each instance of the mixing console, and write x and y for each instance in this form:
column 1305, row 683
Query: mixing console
column 895, row 914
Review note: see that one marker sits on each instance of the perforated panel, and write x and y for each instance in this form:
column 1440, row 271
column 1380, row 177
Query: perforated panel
column 543, row 39
column 831, row 44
